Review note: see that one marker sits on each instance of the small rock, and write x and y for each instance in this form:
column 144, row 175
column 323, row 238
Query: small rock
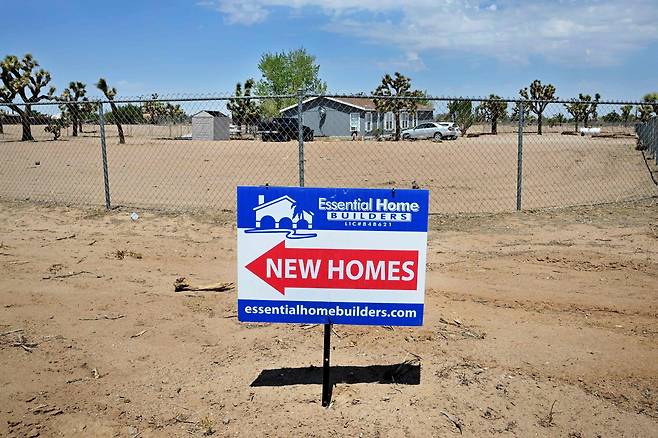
column 226, row 420
column 33, row 433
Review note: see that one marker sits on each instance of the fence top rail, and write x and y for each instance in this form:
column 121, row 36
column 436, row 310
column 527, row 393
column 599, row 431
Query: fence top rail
column 182, row 98
column 148, row 100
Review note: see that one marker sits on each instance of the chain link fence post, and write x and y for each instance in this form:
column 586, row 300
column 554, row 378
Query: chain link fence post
column 106, row 178
column 654, row 139
column 519, row 157
column 300, row 135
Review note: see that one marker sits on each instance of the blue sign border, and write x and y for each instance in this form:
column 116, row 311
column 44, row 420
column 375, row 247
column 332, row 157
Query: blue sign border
column 307, row 199
column 323, row 312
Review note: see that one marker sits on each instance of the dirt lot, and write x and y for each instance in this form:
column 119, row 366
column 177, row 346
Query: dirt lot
column 536, row 324
column 466, row 175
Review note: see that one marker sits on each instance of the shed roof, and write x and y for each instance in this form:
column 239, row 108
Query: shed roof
column 212, row 113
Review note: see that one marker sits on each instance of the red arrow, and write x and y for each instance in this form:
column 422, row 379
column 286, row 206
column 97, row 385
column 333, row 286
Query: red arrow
column 323, row 268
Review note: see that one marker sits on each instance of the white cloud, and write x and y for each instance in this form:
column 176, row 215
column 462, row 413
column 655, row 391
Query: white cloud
column 239, row 12
column 592, row 32
column 411, row 62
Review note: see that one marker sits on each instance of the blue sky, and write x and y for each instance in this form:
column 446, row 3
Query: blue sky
column 447, row 47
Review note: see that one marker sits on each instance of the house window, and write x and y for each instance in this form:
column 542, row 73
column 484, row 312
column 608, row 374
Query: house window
column 355, row 122
column 368, row 122
column 388, row 121
column 404, row 120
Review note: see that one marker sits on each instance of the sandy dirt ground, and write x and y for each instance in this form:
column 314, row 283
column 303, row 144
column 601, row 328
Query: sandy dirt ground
column 536, row 324
column 467, row 175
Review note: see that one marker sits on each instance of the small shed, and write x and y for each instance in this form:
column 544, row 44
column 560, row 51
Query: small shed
column 210, row 125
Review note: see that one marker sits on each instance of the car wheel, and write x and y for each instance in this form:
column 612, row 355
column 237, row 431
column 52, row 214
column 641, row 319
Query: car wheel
column 438, row 136
column 405, row 136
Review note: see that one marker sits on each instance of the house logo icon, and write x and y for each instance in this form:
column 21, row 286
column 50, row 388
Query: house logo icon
column 283, row 215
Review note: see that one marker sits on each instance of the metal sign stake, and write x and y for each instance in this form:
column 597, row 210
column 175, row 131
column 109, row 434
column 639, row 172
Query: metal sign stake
column 326, row 368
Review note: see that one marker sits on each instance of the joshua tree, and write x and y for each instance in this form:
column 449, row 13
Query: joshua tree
column 74, row 92
column 155, row 109
column 109, row 94
column 590, row 110
column 611, row 117
column 2, row 113
column 243, row 111
column 87, row 110
column 493, row 110
column 396, row 86
column 539, row 92
column 649, row 108
column 583, row 108
column 557, row 119
column 515, row 113
column 19, row 78
column 461, row 113
column 652, row 99
column 55, row 126
column 626, row 113
column 174, row 113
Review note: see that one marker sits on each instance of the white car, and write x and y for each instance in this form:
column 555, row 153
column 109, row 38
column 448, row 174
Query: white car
column 435, row 130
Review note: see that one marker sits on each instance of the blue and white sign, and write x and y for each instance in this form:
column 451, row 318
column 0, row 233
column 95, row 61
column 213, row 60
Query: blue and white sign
column 332, row 255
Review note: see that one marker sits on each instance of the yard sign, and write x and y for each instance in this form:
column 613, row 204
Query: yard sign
column 332, row 256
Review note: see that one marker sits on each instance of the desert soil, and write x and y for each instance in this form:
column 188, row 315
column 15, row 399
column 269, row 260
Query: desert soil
column 467, row 175
column 536, row 324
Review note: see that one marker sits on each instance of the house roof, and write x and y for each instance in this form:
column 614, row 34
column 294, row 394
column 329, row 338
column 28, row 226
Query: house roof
column 277, row 200
column 212, row 113
column 362, row 103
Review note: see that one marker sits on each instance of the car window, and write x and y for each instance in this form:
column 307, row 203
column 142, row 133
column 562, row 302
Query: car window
column 422, row 125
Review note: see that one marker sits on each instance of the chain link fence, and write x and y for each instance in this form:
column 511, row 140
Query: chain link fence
column 189, row 154
column 648, row 138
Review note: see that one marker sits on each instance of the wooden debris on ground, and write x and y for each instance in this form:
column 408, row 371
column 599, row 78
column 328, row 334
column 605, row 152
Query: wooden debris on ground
column 72, row 236
column 11, row 331
column 70, row 274
column 181, row 284
column 548, row 420
column 454, row 421
column 24, row 344
column 111, row 318
column 136, row 335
